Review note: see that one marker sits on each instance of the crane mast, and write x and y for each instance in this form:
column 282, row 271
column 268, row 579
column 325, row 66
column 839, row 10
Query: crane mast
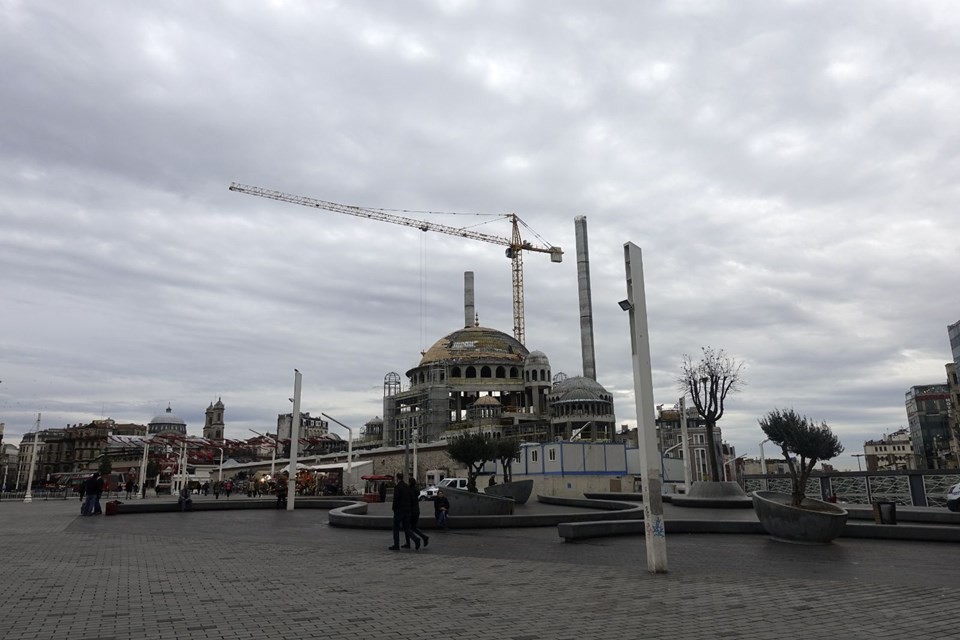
column 515, row 244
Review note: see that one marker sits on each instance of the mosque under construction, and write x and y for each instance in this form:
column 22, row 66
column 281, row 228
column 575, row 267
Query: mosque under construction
column 481, row 380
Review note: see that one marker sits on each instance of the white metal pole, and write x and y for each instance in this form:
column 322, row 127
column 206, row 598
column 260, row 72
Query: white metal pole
column 416, row 434
column 294, row 441
column 763, row 466
column 655, row 532
column 143, row 466
column 687, row 449
column 220, row 471
column 33, row 462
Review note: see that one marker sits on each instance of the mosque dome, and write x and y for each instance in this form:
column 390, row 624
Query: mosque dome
column 167, row 421
column 578, row 388
column 475, row 344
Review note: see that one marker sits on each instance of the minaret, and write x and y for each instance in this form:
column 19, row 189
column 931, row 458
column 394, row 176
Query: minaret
column 213, row 424
column 586, row 304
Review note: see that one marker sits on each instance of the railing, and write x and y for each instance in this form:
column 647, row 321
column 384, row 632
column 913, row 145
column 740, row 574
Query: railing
column 907, row 488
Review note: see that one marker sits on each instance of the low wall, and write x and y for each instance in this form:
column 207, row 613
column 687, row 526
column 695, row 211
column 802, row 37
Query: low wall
column 574, row 486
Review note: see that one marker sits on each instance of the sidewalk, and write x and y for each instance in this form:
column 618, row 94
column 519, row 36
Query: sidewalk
column 279, row 575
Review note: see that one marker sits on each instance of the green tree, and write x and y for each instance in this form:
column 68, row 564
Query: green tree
column 471, row 451
column 708, row 382
column 799, row 437
column 105, row 466
column 506, row 450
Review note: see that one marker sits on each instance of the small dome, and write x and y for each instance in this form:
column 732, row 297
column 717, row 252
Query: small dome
column 376, row 420
column 487, row 401
column 578, row 388
column 538, row 359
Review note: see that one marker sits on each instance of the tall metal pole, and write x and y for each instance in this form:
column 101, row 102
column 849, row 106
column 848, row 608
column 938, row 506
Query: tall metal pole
column 220, row 471
column 416, row 434
column 294, row 441
column 33, row 462
column 655, row 531
column 763, row 466
column 143, row 467
column 687, row 449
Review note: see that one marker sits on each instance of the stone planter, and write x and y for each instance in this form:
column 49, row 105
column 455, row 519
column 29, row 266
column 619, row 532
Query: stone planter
column 520, row 490
column 815, row 521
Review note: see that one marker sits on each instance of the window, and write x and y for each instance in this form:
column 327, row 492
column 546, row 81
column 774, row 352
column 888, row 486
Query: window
column 552, row 454
column 501, row 372
column 533, row 455
column 455, row 372
column 485, row 372
column 471, row 372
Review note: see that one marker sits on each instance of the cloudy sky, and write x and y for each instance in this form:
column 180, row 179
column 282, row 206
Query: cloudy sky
column 790, row 171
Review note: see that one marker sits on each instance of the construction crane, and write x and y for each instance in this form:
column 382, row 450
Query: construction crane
column 515, row 244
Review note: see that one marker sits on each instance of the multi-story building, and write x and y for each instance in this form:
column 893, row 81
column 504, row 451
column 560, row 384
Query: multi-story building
column 928, row 417
column 313, row 432
column 953, row 332
column 890, row 453
column 953, row 406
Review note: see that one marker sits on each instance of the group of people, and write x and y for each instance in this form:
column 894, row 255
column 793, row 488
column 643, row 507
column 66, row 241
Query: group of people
column 406, row 514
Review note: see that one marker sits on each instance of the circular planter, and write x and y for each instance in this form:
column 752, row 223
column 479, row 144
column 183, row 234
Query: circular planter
column 815, row 521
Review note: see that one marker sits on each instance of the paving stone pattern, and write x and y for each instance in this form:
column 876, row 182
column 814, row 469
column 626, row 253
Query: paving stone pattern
column 278, row 575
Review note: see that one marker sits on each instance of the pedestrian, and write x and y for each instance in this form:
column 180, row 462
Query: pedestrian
column 493, row 480
column 90, row 495
column 383, row 491
column 441, row 507
column 130, row 489
column 144, row 488
column 216, row 490
column 186, row 499
column 401, row 514
column 414, row 498
column 227, row 488
column 282, row 490
column 99, row 492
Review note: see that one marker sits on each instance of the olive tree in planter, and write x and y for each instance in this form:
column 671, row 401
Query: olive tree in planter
column 796, row 517
column 471, row 451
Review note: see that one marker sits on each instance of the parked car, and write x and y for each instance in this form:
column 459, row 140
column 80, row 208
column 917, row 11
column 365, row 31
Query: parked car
column 953, row 498
column 431, row 492
column 428, row 493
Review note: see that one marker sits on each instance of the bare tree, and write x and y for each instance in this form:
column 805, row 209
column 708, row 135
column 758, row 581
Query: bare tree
column 708, row 382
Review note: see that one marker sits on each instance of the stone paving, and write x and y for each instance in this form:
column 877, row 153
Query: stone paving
column 278, row 575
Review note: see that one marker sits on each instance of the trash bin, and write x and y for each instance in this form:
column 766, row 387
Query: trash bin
column 112, row 507
column 885, row 512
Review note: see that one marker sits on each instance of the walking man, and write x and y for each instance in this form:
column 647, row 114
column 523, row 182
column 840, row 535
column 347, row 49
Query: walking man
column 414, row 498
column 401, row 514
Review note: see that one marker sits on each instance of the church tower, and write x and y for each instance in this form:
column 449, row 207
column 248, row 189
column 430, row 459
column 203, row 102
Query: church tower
column 213, row 425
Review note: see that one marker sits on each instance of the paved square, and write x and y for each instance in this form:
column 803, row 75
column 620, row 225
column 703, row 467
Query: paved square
column 279, row 575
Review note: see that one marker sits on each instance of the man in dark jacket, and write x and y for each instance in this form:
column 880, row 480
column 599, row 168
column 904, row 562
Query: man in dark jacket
column 91, row 487
column 401, row 514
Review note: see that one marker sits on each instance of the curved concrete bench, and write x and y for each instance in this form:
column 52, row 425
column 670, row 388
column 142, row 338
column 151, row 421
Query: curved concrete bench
column 168, row 506
column 355, row 516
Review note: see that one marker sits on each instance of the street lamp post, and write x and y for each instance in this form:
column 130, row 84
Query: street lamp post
column 220, row 470
column 687, row 451
column 858, row 456
column 143, row 467
column 727, row 466
column 636, row 305
column 33, row 462
column 763, row 466
column 276, row 443
column 294, row 441
column 349, row 445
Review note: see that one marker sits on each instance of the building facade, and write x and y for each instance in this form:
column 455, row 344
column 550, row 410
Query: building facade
column 213, row 425
column 928, row 417
column 890, row 453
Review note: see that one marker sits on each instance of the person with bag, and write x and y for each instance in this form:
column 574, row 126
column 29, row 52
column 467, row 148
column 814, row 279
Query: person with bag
column 90, row 489
column 441, row 507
